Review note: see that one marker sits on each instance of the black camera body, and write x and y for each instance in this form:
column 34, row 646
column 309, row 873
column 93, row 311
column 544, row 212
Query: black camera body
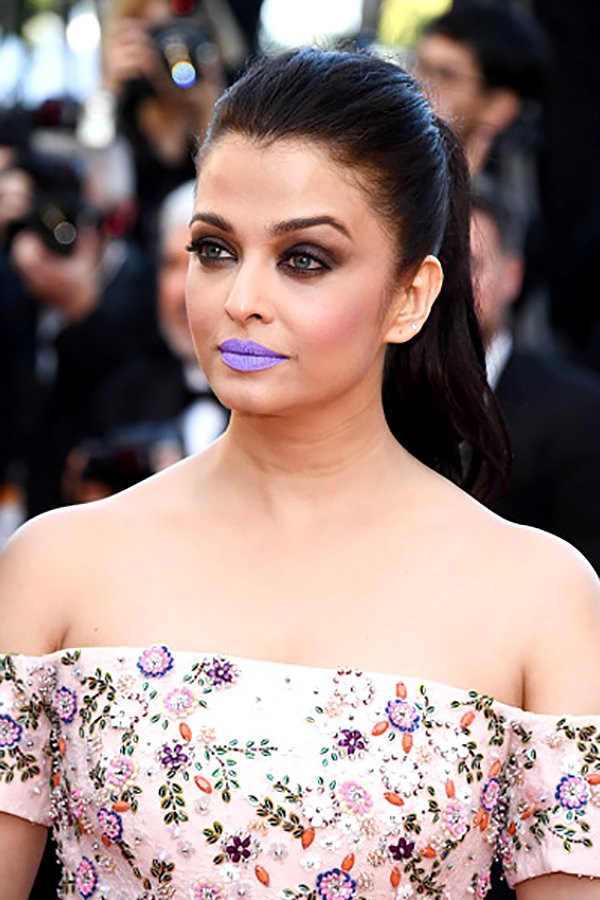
column 57, row 205
column 181, row 42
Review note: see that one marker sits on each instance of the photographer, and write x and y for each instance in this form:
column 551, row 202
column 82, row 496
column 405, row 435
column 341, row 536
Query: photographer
column 78, row 302
column 161, row 76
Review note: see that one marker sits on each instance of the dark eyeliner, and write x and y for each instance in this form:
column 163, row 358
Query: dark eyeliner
column 312, row 253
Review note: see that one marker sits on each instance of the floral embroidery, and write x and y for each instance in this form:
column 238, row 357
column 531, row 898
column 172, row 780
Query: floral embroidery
column 318, row 785
column 238, row 847
column 173, row 757
column 10, row 732
column 65, row 704
column 572, row 792
column 120, row 771
column 180, row 702
column 155, row 662
column 220, row 671
column 335, row 885
column 351, row 741
column 456, row 821
column 490, row 794
column 86, row 878
column 402, row 715
column 402, row 850
column 356, row 798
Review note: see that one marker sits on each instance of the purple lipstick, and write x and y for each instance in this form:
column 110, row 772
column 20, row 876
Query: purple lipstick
column 248, row 356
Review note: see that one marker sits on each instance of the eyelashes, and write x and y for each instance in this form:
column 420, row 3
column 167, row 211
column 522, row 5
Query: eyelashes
column 209, row 252
column 302, row 260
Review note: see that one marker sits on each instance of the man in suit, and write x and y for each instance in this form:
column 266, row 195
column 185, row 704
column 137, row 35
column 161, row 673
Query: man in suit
column 551, row 407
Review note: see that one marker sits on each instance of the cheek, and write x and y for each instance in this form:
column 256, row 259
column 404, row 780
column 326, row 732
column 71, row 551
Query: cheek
column 349, row 321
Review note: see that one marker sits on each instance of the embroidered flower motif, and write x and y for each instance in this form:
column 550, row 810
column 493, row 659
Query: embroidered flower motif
column 402, row 850
column 10, row 732
column 155, row 661
column 278, row 851
column 238, row 847
column 404, row 892
column 356, row 798
column 310, row 862
column 173, row 757
column 180, row 702
column 319, row 808
column 65, row 704
column 483, row 885
column 402, row 715
column 76, row 803
column 206, row 735
column 208, row 890
column 111, row 824
column 351, row 741
column 127, row 710
column 353, row 688
column 335, row 885
column 220, row 671
column 86, row 878
column 572, row 792
column 451, row 746
column 456, row 822
column 120, row 770
column 490, row 794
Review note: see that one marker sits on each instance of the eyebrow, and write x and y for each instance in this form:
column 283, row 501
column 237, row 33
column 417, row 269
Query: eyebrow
column 278, row 228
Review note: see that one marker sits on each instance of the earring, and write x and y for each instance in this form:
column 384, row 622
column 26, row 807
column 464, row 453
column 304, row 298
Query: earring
column 414, row 326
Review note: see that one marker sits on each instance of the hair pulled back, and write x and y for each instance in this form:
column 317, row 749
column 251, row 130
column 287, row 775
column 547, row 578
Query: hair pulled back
column 371, row 117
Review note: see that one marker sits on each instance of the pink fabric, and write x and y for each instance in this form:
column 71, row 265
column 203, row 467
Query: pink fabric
column 193, row 775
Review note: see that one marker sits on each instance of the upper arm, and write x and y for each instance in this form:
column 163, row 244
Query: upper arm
column 22, row 846
column 561, row 631
column 34, row 585
column 559, row 887
column 560, row 634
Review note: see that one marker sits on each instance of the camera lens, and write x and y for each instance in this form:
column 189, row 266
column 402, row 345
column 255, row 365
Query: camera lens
column 182, row 43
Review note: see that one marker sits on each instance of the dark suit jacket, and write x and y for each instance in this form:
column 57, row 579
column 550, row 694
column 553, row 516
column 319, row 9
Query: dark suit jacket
column 552, row 410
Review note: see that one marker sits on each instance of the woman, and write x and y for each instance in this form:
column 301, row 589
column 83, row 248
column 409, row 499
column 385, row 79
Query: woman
column 291, row 642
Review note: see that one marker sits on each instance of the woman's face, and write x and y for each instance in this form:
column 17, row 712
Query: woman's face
column 288, row 255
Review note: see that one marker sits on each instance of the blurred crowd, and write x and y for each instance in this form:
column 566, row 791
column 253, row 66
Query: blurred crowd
column 100, row 384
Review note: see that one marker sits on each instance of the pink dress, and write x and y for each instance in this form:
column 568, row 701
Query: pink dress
column 190, row 775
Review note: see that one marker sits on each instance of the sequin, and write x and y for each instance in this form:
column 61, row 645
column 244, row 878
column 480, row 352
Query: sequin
column 162, row 777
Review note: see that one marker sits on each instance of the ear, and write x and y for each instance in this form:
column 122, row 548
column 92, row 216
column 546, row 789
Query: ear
column 502, row 108
column 412, row 301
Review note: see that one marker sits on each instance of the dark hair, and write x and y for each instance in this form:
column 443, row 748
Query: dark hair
column 490, row 198
column 510, row 47
column 371, row 117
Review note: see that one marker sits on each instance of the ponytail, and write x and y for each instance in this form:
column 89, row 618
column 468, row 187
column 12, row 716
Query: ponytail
column 436, row 398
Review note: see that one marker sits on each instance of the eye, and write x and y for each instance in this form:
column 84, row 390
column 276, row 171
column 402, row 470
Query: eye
column 305, row 263
column 209, row 252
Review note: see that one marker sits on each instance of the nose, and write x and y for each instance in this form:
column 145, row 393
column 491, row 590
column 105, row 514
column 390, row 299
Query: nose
column 248, row 293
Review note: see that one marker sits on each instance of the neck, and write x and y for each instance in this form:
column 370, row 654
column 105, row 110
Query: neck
column 296, row 467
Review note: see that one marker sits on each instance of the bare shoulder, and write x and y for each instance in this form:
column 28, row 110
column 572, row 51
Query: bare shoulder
column 37, row 569
column 553, row 595
column 58, row 561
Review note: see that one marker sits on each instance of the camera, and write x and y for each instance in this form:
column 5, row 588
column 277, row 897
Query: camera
column 182, row 43
column 57, row 204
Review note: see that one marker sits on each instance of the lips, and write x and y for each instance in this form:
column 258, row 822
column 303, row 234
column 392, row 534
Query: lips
column 248, row 356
